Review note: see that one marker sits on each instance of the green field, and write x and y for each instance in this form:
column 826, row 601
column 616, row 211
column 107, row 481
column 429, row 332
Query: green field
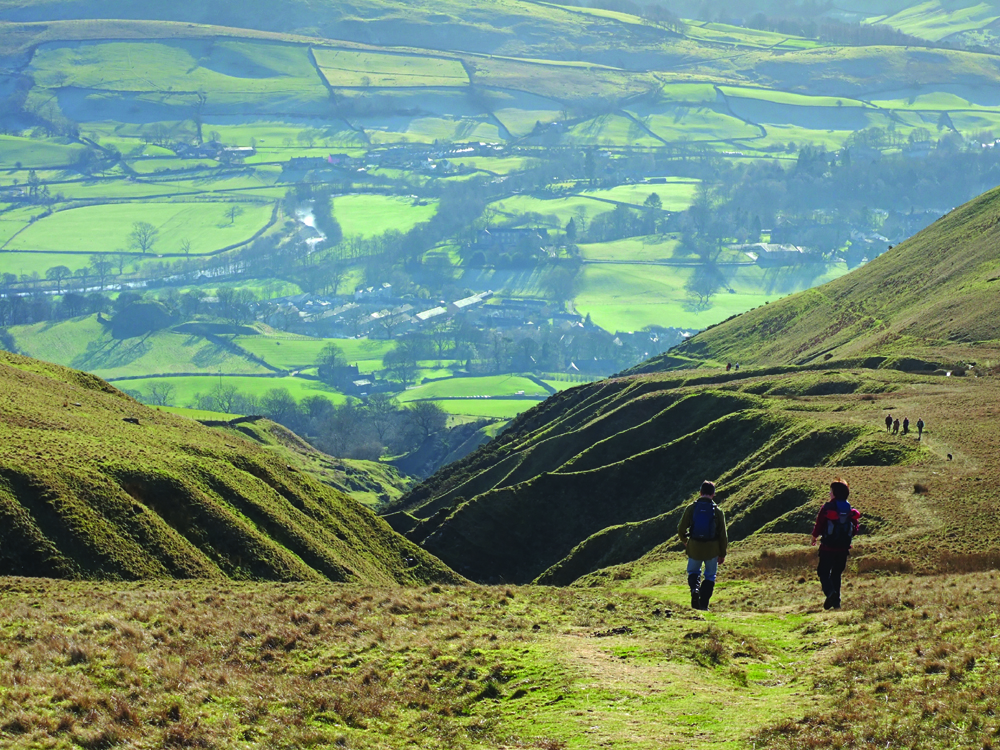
column 352, row 68
column 369, row 215
column 85, row 344
column 187, row 389
column 676, row 195
column 675, row 123
column 496, row 408
column 554, row 211
column 624, row 297
column 21, row 263
column 430, row 129
column 610, row 130
column 105, row 228
column 650, row 248
column 497, row 385
column 496, row 165
column 161, row 164
column 40, row 153
column 291, row 353
column 102, row 80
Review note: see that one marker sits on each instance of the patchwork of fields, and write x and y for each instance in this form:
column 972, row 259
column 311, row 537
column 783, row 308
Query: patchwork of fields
column 126, row 94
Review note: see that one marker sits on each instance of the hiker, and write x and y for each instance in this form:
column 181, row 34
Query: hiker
column 703, row 531
column 837, row 523
column 920, row 429
column 729, row 366
column 906, row 425
column 895, row 427
column 888, row 423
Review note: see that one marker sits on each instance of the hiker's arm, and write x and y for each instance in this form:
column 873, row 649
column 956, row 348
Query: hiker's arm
column 816, row 529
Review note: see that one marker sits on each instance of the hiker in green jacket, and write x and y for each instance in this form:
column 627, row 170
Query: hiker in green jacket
column 703, row 531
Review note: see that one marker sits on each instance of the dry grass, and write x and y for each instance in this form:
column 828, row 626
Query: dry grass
column 920, row 670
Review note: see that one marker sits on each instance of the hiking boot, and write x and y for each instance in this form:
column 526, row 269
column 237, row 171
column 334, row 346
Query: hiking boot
column 828, row 603
column 695, row 590
column 707, row 588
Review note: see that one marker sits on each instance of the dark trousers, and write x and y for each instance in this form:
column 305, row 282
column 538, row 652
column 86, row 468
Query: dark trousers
column 831, row 567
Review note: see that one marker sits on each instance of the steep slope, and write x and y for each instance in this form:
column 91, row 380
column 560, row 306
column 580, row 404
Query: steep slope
column 932, row 297
column 597, row 476
column 95, row 485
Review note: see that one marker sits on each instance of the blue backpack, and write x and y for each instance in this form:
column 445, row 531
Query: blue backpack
column 839, row 531
column 703, row 521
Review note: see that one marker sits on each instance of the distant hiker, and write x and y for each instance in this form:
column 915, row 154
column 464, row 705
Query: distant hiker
column 895, row 427
column 737, row 367
column 837, row 523
column 888, row 422
column 703, row 531
column 729, row 366
column 920, row 429
column 906, row 425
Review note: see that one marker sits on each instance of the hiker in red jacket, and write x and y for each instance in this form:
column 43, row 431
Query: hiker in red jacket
column 837, row 523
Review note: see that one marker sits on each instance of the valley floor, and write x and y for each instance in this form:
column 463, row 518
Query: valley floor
column 909, row 662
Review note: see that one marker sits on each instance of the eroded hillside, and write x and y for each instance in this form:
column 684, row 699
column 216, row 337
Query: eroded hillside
column 95, row 485
column 598, row 476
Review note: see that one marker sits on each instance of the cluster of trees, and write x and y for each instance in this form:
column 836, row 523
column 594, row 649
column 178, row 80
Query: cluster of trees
column 623, row 221
column 357, row 429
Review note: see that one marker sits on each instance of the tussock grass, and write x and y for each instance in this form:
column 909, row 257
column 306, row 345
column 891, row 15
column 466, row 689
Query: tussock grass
column 917, row 672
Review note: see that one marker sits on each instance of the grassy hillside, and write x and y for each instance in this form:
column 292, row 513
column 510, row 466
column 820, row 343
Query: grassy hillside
column 95, row 485
column 933, row 297
column 598, row 475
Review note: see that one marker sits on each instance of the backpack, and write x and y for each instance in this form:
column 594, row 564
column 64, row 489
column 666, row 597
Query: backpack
column 703, row 521
column 839, row 525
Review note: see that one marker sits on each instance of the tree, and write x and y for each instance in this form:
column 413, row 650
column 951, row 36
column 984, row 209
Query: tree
column 161, row 394
column 143, row 236
column 401, row 362
column 121, row 258
column 331, row 362
column 561, row 284
column 703, row 285
column 279, row 406
column 571, row 231
column 381, row 411
column 57, row 274
column 102, row 266
column 186, row 247
column 425, row 418
column 234, row 210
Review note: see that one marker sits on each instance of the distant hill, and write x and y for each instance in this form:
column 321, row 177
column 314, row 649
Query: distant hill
column 96, row 485
column 598, row 476
column 935, row 297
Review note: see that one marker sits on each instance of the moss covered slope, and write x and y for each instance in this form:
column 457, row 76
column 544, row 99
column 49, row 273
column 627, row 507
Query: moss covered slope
column 95, row 485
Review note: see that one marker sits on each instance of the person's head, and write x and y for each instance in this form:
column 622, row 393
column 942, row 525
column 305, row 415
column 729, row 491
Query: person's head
column 839, row 489
column 708, row 489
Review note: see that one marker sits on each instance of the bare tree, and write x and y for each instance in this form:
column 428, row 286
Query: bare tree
column 161, row 394
column 102, row 266
column 57, row 274
column 143, row 236
column 234, row 210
